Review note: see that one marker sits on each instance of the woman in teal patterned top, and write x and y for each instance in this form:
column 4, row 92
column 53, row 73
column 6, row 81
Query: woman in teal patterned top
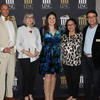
column 50, row 58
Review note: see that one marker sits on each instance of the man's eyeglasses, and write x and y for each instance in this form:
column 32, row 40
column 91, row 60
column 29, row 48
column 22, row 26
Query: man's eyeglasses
column 4, row 8
column 91, row 17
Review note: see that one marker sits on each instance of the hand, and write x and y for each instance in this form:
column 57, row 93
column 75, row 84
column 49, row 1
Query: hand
column 28, row 53
column 7, row 50
column 36, row 53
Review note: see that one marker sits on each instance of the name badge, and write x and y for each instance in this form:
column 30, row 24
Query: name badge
column 97, row 40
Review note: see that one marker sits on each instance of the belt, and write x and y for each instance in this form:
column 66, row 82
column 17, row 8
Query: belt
column 88, row 55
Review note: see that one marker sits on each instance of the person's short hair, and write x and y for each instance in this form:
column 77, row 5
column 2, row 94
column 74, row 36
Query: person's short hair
column 92, row 11
column 4, row 4
column 28, row 15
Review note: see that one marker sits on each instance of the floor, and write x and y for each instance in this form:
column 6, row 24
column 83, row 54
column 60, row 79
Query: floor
column 80, row 98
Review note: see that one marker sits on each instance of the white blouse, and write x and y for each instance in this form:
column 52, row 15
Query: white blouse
column 28, row 39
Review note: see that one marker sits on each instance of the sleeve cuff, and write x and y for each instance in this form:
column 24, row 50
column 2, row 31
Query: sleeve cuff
column 1, row 49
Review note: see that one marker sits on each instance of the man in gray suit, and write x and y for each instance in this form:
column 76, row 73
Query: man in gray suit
column 7, row 52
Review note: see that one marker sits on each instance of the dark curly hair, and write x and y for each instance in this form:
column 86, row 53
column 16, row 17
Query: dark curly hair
column 66, row 26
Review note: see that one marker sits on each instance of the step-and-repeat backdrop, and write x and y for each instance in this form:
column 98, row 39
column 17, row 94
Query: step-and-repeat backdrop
column 64, row 10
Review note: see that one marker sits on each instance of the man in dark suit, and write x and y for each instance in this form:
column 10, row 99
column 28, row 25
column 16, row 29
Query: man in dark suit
column 91, row 57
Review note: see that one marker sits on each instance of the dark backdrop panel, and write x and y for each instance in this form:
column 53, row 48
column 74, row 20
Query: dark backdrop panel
column 73, row 8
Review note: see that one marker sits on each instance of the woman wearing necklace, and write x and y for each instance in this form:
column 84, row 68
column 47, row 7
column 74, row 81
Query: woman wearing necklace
column 28, row 46
column 50, row 59
column 71, row 45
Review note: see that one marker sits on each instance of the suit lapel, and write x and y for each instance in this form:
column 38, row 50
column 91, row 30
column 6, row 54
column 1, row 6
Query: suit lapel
column 15, row 26
column 96, row 33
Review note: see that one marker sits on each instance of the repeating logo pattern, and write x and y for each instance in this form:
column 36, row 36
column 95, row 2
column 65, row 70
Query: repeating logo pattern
column 82, row 21
column 63, row 10
column 28, row 4
column 43, row 20
column 82, row 4
column 63, row 81
column 63, row 20
column 81, row 83
column 64, row 4
column 11, row 3
column 46, row 4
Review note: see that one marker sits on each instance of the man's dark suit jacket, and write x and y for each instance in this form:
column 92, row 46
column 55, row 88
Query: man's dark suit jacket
column 95, row 46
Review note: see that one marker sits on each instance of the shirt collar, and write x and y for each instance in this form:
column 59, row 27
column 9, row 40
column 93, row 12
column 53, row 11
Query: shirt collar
column 93, row 27
column 2, row 17
column 29, row 28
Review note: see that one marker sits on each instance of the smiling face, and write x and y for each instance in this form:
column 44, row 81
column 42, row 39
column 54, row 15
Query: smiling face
column 71, row 26
column 51, row 20
column 92, row 19
column 4, row 10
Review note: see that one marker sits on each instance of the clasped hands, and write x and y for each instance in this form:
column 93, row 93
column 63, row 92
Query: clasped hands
column 28, row 53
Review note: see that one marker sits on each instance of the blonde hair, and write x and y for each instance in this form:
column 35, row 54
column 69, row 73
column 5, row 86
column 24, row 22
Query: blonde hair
column 28, row 15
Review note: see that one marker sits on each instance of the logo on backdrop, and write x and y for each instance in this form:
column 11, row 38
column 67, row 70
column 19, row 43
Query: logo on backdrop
column 11, row 3
column 82, row 4
column 43, row 20
column 82, row 21
column 46, row 4
column 81, row 82
column 64, row 4
column 63, row 82
column 28, row 4
column 64, row 19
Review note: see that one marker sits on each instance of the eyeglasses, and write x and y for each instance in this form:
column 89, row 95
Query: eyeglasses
column 4, row 8
column 91, row 17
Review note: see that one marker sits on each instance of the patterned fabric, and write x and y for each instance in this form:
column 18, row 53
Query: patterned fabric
column 50, row 57
column 71, row 49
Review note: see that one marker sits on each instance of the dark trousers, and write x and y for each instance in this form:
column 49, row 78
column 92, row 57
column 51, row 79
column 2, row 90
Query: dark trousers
column 29, row 71
column 91, row 79
column 72, row 74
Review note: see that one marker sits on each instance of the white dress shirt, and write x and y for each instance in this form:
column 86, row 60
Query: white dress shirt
column 11, row 31
column 90, row 33
column 28, row 41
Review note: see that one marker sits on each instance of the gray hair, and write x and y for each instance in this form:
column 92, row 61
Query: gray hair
column 28, row 15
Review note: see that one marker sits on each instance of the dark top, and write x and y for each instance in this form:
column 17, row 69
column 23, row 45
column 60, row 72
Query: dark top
column 95, row 46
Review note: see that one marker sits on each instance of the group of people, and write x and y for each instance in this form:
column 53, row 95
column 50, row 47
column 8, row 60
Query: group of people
column 51, row 50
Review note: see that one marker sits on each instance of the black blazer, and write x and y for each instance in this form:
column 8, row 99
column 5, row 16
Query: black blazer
column 95, row 46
